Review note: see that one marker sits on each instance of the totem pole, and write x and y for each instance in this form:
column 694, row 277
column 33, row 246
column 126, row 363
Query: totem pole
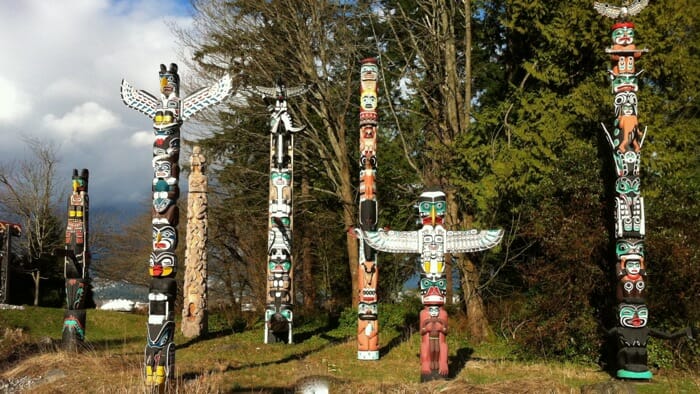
column 626, row 141
column 368, row 322
column 7, row 231
column 76, row 261
column 194, row 311
column 168, row 113
column 432, row 241
column 280, row 275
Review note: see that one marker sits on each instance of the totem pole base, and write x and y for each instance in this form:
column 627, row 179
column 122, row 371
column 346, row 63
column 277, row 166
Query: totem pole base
column 73, row 330
column 368, row 355
column 625, row 374
column 431, row 376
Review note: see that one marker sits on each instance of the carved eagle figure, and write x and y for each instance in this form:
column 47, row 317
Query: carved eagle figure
column 623, row 12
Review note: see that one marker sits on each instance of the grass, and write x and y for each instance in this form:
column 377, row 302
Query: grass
column 240, row 362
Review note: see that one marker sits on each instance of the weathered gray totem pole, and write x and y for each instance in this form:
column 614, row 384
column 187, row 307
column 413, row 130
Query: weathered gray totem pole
column 280, row 274
column 76, row 261
column 7, row 231
column 626, row 140
column 194, row 311
column 168, row 113
column 432, row 241
column 368, row 272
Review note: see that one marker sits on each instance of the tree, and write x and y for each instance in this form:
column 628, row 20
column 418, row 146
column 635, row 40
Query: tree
column 28, row 192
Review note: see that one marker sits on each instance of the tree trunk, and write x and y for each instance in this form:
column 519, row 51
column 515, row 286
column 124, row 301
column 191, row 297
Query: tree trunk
column 308, row 287
column 36, row 276
column 477, row 324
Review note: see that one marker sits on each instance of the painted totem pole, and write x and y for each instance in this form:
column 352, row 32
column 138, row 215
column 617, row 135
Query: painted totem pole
column 368, row 321
column 194, row 311
column 280, row 274
column 76, row 261
column 7, row 231
column 168, row 113
column 432, row 241
column 626, row 141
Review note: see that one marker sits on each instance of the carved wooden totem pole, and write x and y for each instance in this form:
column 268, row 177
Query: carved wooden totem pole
column 168, row 113
column 368, row 321
column 7, row 231
column 76, row 261
column 280, row 275
column 194, row 311
column 432, row 241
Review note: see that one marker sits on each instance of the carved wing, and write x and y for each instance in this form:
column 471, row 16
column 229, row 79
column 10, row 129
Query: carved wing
column 263, row 91
column 472, row 240
column 297, row 90
column 637, row 7
column 606, row 9
column 206, row 97
column 139, row 100
column 391, row 241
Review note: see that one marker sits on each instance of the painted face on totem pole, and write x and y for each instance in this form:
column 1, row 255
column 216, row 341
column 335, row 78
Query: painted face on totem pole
column 633, row 316
column 80, row 182
column 367, row 311
column 165, row 169
column 625, row 83
column 162, row 263
column 166, row 146
column 625, row 101
column 432, row 207
column 623, row 33
column 433, row 289
column 165, row 120
column 164, row 237
column 626, row 247
column 434, row 311
column 279, row 265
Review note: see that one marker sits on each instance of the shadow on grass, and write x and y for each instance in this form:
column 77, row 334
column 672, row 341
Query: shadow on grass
column 208, row 336
column 459, row 360
column 292, row 357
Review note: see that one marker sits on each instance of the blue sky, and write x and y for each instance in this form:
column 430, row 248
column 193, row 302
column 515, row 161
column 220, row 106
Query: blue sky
column 62, row 64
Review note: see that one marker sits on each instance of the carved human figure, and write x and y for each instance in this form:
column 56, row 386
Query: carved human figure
column 433, row 331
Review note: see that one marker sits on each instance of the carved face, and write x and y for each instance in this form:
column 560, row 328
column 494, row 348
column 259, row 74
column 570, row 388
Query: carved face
column 162, row 263
column 633, row 316
column 625, row 83
column 434, row 311
column 164, row 237
column 627, row 247
column 432, row 207
column 80, row 182
column 433, row 289
column 623, row 34
column 627, row 185
column 165, row 169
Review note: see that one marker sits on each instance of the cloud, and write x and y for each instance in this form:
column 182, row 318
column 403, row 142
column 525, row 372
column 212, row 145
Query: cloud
column 141, row 139
column 85, row 121
column 14, row 103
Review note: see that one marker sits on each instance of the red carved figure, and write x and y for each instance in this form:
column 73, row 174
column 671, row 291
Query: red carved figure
column 433, row 352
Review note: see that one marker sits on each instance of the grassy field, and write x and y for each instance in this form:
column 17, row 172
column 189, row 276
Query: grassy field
column 31, row 360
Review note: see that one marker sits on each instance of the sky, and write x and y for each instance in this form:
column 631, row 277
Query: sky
column 60, row 73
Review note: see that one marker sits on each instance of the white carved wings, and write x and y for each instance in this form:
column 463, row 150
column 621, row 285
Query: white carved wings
column 206, row 97
column 616, row 12
column 391, row 241
column 471, row 240
column 139, row 100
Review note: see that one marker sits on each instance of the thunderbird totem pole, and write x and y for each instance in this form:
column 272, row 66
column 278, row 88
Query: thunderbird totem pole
column 7, row 231
column 194, row 311
column 368, row 322
column 432, row 241
column 280, row 275
column 168, row 113
column 626, row 140
column 76, row 261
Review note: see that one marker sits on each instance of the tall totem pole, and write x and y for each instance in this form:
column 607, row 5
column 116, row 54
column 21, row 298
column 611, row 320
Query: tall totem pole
column 432, row 241
column 280, row 274
column 168, row 113
column 76, row 261
column 194, row 310
column 368, row 322
column 7, row 231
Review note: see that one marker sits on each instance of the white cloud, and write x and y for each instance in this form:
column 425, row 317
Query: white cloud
column 141, row 139
column 85, row 121
column 59, row 82
column 14, row 103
